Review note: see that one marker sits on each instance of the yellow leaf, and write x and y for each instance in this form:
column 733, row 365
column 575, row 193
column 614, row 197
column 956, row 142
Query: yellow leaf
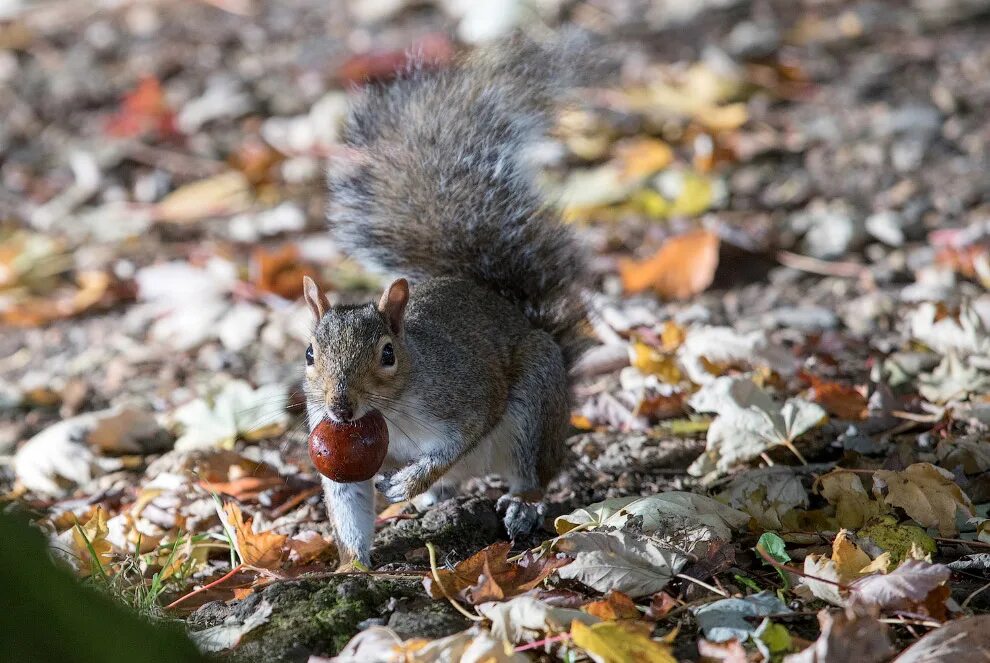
column 262, row 550
column 650, row 361
column 91, row 538
column 620, row 642
column 672, row 336
column 849, row 559
column 643, row 157
column 222, row 194
column 853, row 506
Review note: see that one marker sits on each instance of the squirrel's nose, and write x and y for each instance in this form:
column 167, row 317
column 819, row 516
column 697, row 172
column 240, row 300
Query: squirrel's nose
column 341, row 410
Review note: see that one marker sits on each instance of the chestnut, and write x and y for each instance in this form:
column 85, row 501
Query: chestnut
column 352, row 451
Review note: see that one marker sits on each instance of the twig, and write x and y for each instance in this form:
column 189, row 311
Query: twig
column 296, row 500
column 975, row 544
column 216, row 582
column 973, row 595
column 544, row 641
column 849, row 270
column 796, row 571
column 702, row 584
column 436, row 578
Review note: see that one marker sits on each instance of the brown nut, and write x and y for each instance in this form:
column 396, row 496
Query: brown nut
column 348, row 452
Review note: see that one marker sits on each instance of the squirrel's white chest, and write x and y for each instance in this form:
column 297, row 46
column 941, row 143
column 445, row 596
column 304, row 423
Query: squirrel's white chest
column 413, row 431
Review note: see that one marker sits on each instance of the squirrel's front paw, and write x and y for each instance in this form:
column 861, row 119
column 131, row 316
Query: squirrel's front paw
column 520, row 516
column 403, row 484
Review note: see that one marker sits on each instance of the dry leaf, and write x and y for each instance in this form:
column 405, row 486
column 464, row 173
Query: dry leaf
column 219, row 195
column 281, row 271
column 262, row 550
column 85, row 546
column 620, row 642
column 846, row 637
column 928, row 494
column 651, row 361
column 853, row 506
column 840, row 400
column 684, row 266
column 914, row 586
column 962, row 641
column 618, row 561
column 615, row 605
column 524, row 619
column 143, row 111
column 643, row 157
column 489, row 576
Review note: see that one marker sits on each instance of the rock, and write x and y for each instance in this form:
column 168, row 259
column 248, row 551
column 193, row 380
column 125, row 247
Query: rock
column 750, row 40
column 318, row 617
column 887, row 226
column 804, row 318
column 830, row 231
column 458, row 527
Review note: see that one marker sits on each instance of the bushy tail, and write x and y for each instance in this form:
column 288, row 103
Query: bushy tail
column 435, row 181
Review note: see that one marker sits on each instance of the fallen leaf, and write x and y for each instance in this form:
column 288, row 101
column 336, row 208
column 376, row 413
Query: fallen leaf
column 971, row 454
column 727, row 619
column 489, row 576
column 524, row 619
column 614, row 606
column 961, row 641
column 143, row 110
column 928, row 494
column 845, row 491
column 261, row 550
column 656, row 512
column 639, row 158
column 85, row 547
column 683, row 267
column 281, row 271
column 652, row 361
column 220, row 195
column 749, row 423
column 618, row 561
column 841, row 400
column 953, row 379
column 620, row 642
column 767, row 494
column 845, row 565
column 914, row 586
column 228, row 634
column 965, row 336
column 433, row 50
column 237, row 410
column 846, row 637
column 58, row 459
column 306, row 546
column 730, row 651
column 706, row 348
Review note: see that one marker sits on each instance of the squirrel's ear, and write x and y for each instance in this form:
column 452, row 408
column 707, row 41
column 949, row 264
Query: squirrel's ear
column 393, row 304
column 314, row 298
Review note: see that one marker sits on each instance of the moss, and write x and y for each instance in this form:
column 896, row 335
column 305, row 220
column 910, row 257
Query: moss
column 320, row 616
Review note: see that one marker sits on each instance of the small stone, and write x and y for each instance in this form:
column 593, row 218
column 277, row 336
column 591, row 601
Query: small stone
column 887, row 226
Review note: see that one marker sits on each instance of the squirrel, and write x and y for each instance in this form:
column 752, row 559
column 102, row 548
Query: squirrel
column 470, row 366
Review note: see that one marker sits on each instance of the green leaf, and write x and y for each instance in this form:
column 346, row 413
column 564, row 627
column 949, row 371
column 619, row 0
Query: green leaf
column 774, row 546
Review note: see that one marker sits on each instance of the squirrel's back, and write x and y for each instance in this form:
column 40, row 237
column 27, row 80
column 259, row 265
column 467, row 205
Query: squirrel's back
column 435, row 182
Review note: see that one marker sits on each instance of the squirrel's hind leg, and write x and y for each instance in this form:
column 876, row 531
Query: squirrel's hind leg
column 538, row 407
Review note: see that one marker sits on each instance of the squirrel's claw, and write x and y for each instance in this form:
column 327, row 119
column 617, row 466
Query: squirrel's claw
column 402, row 485
column 520, row 516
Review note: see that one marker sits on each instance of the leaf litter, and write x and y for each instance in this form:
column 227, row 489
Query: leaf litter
column 788, row 224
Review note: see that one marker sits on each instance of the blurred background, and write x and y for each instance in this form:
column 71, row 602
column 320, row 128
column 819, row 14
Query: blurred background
column 807, row 167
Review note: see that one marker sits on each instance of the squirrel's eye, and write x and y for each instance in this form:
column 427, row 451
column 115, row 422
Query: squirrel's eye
column 388, row 355
column 309, row 354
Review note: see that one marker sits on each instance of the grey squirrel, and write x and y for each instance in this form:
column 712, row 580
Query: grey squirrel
column 470, row 367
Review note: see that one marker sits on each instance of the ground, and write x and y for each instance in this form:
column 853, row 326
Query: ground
column 787, row 204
